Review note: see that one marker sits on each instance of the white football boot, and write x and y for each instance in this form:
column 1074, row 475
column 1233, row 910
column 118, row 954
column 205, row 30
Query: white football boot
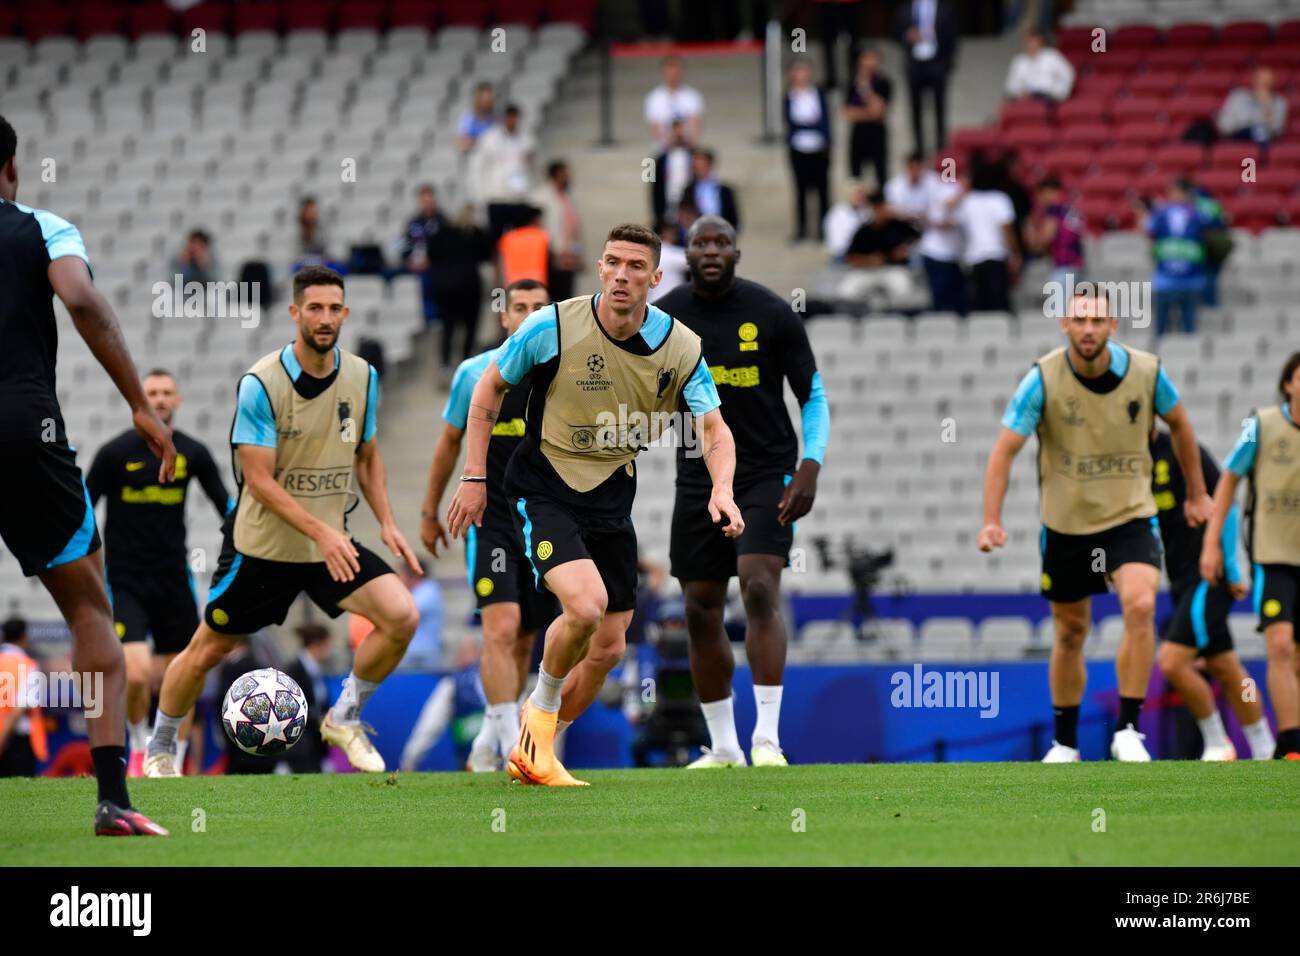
column 352, row 739
column 1127, row 746
column 1062, row 754
column 711, row 759
column 766, row 754
column 1225, row 752
column 161, row 764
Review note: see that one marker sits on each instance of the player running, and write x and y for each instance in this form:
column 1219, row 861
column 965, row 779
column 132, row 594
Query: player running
column 1266, row 453
column 47, row 522
column 146, row 561
column 510, row 602
column 604, row 367
column 753, row 343
column 305, row 422
column 1199, row 625
column 1093, row 403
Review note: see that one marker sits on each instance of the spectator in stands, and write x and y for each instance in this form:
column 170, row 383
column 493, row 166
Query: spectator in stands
column 887, row 239
column 712, row 196
column 866, row 109
column 673, row 171
column 940, row 249
column 308, row 669
column 843, row 221
column 501, row 170
column 927, row 30
column 455, row 252
column 1040, row 72
column 425, row 649
column 195, row 262
column 674, row 100
column 808, row 136
column 1056, row 230
column 1217, row 238
column 1258, row 113
column 1177, row 230
column 563, row 227
column 839, row 18
column 687, row 213
column 987, row 219
column 22, row 728
column 908, row 192
column 672, row 260
column 415, row 249
column 478, row 119
column 524, row 252
column 312, row 241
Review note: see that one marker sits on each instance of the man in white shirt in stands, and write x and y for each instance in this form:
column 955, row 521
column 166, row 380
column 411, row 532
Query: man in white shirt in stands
column 940, row 249
column 1041, row 71
column 908, row 192
column 672, row 99
column 987, row 221
column 501, row 171
column 844, row 220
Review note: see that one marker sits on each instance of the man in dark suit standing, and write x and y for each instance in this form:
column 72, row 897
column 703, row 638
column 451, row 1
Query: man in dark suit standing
column 712, row 197
column 927, row 31
column 673, row 172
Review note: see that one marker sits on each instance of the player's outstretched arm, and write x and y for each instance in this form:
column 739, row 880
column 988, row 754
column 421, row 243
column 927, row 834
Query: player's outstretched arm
column 445, row 453
column 372, row 476
column 468, row 503
column 1197, row 506
column 720, row 458
column 997, row 475
column 95, row 322
column 258, row 465
column 1212, row 547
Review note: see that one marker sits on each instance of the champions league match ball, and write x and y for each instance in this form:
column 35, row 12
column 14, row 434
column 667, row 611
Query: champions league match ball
column 264, row 712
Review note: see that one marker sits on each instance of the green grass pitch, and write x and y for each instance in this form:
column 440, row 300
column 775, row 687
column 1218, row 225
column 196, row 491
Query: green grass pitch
column 894, row 814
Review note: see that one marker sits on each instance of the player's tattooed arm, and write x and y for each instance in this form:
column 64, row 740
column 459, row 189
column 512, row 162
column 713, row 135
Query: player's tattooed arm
column 470, row 500
column 720, row 458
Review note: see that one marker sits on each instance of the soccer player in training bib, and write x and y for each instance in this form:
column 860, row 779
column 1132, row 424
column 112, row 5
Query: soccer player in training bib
column 604, row 369
column 1199, row 625
column 305, row 422
column 47, row 521
column 146, row 562
column 511, row 603
column 1268, row 454
column 1093, row 404
column 753, row 343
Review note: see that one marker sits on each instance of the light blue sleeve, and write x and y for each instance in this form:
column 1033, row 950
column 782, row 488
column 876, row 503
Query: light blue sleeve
column 456, row 412
column 1166, row 394
column 1025, row 409
column 62, row 238
column 1228, row 538
column 700, row 391
column 372, row 405
column 534, row 343
column 816, row 418
column 1241, row 460
column 254, row 419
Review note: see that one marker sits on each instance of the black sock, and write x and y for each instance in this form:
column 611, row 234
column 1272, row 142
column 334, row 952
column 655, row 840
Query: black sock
column 1288, row 742
column 1067, row 726
column 110, row 771
column 1129, row 709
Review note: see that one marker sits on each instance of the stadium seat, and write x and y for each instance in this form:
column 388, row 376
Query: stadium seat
column 1005, row 638
column 1149, row 132
column 1183, row 110
column 1245, row 33
column 1188, row 36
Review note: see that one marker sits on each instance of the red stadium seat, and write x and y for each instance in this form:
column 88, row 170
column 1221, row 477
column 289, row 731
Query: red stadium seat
column 1025, row 112
column 1153, row 184
column 256, row 16
column 1232, row 152
column 1231, row 58
column 1123, row 159
column 1027, row 137
column 154, row 18
column 1186, row 36
column 1284, row 154
column 210, row 16
column 1142, row 133
column 47, row 21
column 307, row 15
column 1134, row 36
column 1088, row 136
column 1291, row 210
column 1221, row 182
column 1278, row 181
column 1117, row 61
column 10, row 25
column 466, row 13
column 414, row 13
column 1246, row 33
column 1184, row 109
column 1154, row 84
column 1094, row 85
column 1288, row 31
column 1082, row 111
column 1209, row 82
column 1077, row 38
column 1178, row 157
column 94, row 21
column 972, row 138
column 1139, row 108
column 1252, row 212
column 581, row 12
column 519, row 11
column 1281, row 58
column 1068, row 163
column 1106, row 185
column 361, row 15
column 1174, row 61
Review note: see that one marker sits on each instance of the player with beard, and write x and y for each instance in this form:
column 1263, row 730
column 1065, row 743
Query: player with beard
column 146, row 562
column 1093, row 404
column 753, row 343
column 305, row 422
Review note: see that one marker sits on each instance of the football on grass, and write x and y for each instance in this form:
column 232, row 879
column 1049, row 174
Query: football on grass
column 264, row 712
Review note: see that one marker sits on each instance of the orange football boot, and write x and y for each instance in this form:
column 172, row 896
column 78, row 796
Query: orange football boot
column 532, row 759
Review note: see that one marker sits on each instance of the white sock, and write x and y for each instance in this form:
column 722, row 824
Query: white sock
column 1212, row 730
column 768, row 700
column 502, row 721
column 165, row 729
column 1261, row 740
column 546, row 695
column 486, row 738
column 720, row 715
column 139, row 734
column 356, row 692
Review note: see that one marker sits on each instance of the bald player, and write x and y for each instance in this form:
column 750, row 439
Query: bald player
column 1093, row 403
